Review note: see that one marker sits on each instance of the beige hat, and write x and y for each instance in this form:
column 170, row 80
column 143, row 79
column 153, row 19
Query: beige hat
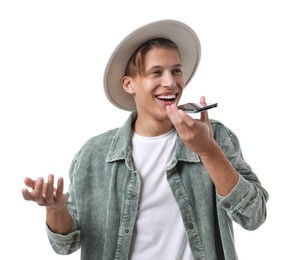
column 181, row 34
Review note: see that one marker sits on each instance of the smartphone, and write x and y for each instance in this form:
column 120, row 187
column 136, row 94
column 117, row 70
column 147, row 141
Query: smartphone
column 195, row 108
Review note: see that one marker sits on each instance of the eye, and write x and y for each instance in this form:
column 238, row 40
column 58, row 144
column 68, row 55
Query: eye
column 177, row 71
column 156, row 72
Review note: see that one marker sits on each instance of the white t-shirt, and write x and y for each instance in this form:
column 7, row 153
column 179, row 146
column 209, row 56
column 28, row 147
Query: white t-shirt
column 159, row 231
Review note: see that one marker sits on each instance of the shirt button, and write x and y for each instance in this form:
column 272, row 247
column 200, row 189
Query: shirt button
column 227, row 205
column 190, row 226
column 127, row 231
column 132, row 195
column 178, row 192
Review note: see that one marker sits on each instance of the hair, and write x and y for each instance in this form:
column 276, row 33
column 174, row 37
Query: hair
column 136, row 62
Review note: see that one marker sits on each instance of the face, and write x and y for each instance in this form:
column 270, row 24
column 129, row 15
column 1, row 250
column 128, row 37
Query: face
column 160, row 85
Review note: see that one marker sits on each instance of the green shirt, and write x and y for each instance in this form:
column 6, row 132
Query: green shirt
column 105, row 187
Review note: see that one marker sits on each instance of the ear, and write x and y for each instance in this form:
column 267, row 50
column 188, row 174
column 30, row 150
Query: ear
column 127, row 84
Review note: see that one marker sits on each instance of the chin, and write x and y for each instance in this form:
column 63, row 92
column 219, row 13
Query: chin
column 163, row 115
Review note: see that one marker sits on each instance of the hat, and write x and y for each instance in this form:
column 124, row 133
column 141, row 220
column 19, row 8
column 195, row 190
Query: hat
column 181, row 34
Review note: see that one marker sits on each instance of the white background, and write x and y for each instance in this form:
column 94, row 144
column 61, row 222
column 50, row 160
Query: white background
column 52, row 58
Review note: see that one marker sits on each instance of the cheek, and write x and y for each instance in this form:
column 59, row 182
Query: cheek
column 146, row 87
column 182, row 81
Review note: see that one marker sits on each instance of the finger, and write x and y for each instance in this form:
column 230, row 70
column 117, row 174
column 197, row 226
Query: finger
column 188, row 120
column 49, row 188
column 36, row 186
column 59, row 190
column 202, row 101
column 29, row 182
column 37, row 193
column 204, row 116
column 26, row 194
column 171, row 110
column 179, row 118
column 175, row 115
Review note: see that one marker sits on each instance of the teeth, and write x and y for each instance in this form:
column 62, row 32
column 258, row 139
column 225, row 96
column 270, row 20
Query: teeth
column 166, row 96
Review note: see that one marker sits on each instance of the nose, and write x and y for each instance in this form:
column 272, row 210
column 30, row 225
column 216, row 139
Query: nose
column 168, row 80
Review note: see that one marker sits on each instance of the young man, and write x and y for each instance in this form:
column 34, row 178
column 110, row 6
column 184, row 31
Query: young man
column 164, row 185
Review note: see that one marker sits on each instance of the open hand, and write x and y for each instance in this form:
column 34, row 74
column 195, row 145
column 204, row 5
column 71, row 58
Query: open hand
column 44, row 193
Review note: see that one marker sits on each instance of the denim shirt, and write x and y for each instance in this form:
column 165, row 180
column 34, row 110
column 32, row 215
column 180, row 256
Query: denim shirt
column 105, row 188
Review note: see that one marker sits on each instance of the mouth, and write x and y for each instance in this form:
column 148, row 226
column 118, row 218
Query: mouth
column 167, row 98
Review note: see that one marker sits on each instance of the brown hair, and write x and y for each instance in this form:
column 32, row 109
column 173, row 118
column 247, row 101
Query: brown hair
column 136, row 63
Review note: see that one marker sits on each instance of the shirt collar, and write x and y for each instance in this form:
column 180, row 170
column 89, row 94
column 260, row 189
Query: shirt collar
column 121, row 146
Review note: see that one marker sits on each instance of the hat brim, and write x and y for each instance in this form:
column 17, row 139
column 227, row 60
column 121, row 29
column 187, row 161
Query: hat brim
column 182, row 35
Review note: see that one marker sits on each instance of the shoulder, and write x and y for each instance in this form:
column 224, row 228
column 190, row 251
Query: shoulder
column 103, row 138
column 97, row 145
column 219, row 127
column 223, row 134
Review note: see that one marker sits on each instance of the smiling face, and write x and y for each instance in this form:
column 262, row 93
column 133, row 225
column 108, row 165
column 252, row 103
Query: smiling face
column 159, row 84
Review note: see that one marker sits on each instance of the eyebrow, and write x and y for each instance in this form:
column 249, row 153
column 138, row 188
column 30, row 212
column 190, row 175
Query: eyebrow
column 179, row 65
column 158, row 67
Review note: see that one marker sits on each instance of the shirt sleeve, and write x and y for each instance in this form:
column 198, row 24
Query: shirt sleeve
column 246, row 203
column 64, row 244
column 67, row 244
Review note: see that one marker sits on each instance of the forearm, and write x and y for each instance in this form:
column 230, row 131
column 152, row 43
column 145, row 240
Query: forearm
column 59, row 220
column 220, row 170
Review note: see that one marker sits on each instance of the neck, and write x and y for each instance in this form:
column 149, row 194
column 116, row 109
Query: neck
column 151, row 128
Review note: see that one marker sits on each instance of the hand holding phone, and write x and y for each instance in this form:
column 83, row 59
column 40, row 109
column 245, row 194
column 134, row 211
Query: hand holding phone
column 195, row 108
